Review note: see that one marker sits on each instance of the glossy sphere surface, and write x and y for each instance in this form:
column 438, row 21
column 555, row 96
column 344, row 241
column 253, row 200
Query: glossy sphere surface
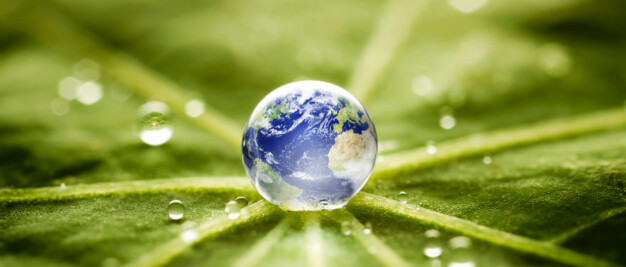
column 309, row 145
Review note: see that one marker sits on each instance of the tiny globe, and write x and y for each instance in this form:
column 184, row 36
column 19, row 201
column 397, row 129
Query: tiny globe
column 309, row 145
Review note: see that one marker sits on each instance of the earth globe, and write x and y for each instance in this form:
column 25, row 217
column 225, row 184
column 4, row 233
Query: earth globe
column 309, row 145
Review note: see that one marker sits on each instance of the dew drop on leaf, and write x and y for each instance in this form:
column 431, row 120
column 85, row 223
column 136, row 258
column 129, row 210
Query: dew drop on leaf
column 242, row 202
column 402, row 197
column 155, row 127
column 232, row 209
column 176, row 210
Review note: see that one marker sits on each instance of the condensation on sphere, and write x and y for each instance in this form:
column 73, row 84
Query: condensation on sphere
column 309, row 145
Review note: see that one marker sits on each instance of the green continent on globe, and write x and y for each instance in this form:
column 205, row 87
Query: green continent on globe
column 277, row 111
column 273, row 183
column 347, row 113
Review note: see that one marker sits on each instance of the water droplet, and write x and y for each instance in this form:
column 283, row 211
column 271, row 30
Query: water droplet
column 430, row 147
column 346, row 227
column 189, row 236
column 68, row 87
column 367, row 228
column 87, row 70
column 433, row 246
column 447, row 122
column 89, row 93
column 422, row 85
column 60, row 106
column 467, row 6
column 402, row 197
column 554, row 60
column 176, row 210
column 487, row 160
column 232, row 209
column 242, row 202
column 461, row 254
column 155, row 126
column 194, row 108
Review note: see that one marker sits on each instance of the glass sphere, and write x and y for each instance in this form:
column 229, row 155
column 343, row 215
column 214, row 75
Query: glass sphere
column 309, row 145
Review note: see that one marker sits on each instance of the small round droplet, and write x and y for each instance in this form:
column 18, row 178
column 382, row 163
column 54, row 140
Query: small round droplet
column 367, row 228
column 402, row 197
column 189, row 236
column 194, row 108
column 232, row 209
column 154, row 124
column 461, row 254
column 447, row 122
column 242, row 202
column 346, row 227
column 430, row 147
column 176, row 210
column 487, row 160
column 433, row 246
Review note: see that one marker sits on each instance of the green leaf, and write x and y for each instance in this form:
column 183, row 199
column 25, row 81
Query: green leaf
column 538, row 88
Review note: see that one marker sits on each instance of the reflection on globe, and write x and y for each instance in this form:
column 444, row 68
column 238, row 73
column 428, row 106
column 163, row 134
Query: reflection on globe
column 309, row 145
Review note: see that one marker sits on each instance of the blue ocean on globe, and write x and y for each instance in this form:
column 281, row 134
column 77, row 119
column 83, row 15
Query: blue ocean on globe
column 309, row 145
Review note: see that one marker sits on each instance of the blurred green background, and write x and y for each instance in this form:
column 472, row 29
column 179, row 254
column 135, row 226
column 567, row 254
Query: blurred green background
column 487, row 64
